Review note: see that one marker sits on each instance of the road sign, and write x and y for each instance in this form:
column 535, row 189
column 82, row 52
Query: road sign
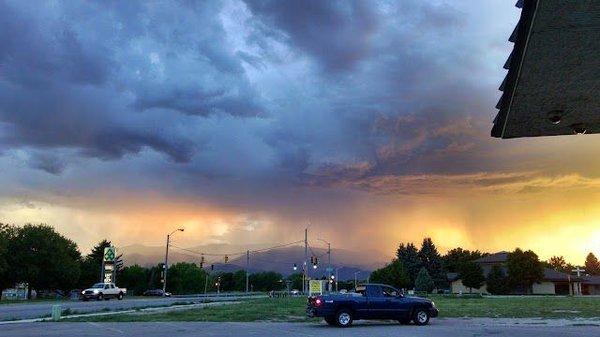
column 109, row 254
column 315, row 287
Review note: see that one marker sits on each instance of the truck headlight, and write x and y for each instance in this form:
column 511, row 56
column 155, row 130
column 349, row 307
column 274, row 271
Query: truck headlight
column 82, row 292
column 432, row 303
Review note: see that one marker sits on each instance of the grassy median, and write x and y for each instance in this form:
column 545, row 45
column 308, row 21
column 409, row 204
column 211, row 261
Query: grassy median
column 292, row 309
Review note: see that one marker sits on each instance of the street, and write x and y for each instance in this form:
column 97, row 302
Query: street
column 41, row 309
column 438, row 328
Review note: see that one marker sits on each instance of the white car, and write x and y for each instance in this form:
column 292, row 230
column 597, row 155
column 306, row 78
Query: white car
column 103, row 291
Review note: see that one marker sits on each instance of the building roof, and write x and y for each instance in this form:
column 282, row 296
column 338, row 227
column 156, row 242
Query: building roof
column 553, row 275
column 552, row 86
column 595, row 280
column 499, row 257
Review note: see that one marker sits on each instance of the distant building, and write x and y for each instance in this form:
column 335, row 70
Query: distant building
column 553, row 283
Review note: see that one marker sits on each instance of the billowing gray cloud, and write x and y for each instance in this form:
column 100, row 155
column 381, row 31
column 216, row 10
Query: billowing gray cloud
column 245, row 93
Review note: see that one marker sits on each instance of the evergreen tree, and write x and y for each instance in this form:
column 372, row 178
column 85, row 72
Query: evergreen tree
column 432, row 261
column 592, row 266
column 424, row 282
column 408, row 255
column 471, row 275
column 92, row 264
column 135, row 279
column 497, row 282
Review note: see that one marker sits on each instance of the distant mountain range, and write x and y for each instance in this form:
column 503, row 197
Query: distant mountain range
column 280, row 260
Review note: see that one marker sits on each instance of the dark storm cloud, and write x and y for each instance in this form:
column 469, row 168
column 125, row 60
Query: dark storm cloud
column 253, row 93
column 335, row 32
column 109, row 78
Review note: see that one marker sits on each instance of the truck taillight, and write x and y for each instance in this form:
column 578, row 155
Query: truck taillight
column 318, row 302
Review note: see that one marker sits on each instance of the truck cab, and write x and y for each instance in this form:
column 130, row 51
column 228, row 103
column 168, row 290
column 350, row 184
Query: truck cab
column 371, row 301
column 103, row 291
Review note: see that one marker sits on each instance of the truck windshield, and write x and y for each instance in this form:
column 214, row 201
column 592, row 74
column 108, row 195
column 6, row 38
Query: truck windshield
column 98, row 286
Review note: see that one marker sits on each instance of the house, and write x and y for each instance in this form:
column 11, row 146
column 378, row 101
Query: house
column 553, row 283
column 590, row 285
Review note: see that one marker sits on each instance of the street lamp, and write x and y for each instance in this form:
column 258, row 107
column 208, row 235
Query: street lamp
column 166, row 267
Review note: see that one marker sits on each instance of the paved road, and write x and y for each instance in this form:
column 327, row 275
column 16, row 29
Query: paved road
column 41, row 309
column 438, row 328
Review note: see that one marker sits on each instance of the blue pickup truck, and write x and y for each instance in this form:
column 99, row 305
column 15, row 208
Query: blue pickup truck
column 371, row 301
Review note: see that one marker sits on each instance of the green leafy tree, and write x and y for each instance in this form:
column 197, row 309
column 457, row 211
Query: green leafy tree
column 393, row 274
column 91, row 266
column 424, row 282
column 592, row 266
column 135, row 279
column 408, row 255
column 188, row 278
column 558, row 263
column 453, row 260
column 296, row 280
column 497, row 282
column 7, row 234
column 267, row 281
column 239, row 281
column 44, row 259
column 471, row 275
column 524, row 269
column 432, row 261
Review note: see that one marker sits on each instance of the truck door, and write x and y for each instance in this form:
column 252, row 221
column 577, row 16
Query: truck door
column 379, row 306
column 398, row 306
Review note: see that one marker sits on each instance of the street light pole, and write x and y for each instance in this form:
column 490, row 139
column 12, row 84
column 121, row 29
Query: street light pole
column 166, row 266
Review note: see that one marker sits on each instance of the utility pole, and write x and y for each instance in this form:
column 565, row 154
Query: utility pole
column 166, row 266
column 305, row 265
column 247, row 268
column 328, row 263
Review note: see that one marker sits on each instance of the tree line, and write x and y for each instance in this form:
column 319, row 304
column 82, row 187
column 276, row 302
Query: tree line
column 425, row 269
column 46, row 260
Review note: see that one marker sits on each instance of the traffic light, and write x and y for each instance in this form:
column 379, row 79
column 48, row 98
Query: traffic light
column 226, row 258
column 316, row 261
column 212, row 267
column 295, row 266
column 312, row 260
column 202, row 261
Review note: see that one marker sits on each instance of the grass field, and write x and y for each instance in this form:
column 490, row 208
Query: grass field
column 292, row 309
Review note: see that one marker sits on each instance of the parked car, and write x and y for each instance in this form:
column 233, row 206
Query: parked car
column 371, row 301
column 156, row 292
column 103, row 291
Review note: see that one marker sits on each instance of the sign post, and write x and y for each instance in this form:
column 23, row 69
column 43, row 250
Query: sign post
column 108, row 265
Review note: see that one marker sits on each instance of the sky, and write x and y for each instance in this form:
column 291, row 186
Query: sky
column 246, row 121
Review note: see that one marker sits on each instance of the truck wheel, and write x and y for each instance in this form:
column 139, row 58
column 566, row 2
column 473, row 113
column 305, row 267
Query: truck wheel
column 421, row 316
column 100, row 297
column 330, row 320
column 120, row 297
column 343, row 318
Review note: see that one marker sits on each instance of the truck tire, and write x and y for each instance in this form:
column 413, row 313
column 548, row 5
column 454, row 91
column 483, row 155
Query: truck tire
column 120, row 296
column 421, row 316
column 343, row 318
column 330, row 320
column 100, row 297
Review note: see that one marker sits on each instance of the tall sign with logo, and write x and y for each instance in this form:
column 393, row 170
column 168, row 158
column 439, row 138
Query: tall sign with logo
column 109, row 269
